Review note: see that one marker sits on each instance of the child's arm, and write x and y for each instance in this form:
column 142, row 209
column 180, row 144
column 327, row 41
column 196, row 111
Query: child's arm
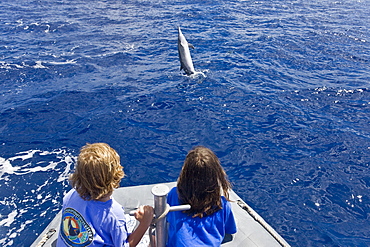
column 144, row 214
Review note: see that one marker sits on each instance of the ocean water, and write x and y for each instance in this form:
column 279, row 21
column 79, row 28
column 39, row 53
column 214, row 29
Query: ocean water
column 284, row 102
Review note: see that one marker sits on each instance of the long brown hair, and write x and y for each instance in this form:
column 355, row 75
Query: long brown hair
column 98, row 171
column 201, row 182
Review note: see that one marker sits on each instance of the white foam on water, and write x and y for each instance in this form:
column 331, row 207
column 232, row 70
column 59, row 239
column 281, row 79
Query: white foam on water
column 23, row 225
column 24, row 155
column 72, row 61
column 198, row 75
column 10, row 219
column 7, row 167
column 39, row 65
column 64, row 176
column 20, row 205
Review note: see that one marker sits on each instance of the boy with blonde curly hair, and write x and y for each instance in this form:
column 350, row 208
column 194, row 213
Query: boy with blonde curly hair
column 90, row 216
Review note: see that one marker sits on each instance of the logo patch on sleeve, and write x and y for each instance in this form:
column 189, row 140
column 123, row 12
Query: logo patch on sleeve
column 74, row 229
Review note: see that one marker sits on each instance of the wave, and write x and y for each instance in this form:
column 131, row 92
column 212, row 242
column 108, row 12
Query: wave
column 31, row 161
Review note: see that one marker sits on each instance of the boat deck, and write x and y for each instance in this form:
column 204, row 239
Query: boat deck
column 253, row 231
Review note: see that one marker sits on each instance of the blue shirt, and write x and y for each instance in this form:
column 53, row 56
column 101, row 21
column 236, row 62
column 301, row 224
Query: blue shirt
column 184, row 230
column 91, row 223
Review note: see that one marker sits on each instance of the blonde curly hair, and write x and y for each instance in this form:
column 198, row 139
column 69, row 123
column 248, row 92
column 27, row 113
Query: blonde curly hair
column 98, row 171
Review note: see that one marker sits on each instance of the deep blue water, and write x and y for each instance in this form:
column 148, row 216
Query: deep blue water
column 285, row 104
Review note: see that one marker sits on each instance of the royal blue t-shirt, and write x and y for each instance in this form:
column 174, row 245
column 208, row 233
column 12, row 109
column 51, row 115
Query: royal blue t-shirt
column 184, row 230
column 91, row 223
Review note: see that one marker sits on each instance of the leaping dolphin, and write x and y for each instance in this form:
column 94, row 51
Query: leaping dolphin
column 184, row 54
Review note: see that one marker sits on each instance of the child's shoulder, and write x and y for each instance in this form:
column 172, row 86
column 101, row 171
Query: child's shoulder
column 71, row 193
column 173, row 190
column 172, row 197
column 225, row 202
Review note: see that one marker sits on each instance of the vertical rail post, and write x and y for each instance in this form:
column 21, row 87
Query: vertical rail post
column 160, row 192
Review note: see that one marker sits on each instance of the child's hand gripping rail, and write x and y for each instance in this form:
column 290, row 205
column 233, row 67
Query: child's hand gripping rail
column 161, row 209
column 168, row 209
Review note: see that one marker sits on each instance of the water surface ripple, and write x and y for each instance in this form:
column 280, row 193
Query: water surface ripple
column 284, row 103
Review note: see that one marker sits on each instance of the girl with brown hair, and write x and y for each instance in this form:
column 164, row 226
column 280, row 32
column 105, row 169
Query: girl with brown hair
column 204, row 185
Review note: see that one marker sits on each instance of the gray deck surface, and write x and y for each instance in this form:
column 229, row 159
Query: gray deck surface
column 250, row 232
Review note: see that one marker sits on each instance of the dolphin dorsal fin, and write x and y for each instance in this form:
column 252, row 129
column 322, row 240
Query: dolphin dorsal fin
column 191, row 46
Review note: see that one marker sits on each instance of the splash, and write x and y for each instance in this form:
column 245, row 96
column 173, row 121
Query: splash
column 197, row 74
column 32, row 187
column 28, row 158
column 10, row 218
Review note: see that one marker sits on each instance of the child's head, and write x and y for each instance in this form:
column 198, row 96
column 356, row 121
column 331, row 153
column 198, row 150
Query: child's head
column 98, row 171
column 201, row 182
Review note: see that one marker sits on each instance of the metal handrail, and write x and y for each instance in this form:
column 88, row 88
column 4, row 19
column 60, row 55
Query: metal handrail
column 161, row 208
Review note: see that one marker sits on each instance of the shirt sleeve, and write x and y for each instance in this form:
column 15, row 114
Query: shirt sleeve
column 230, row 224
column 120, row 235
column 117, row 226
